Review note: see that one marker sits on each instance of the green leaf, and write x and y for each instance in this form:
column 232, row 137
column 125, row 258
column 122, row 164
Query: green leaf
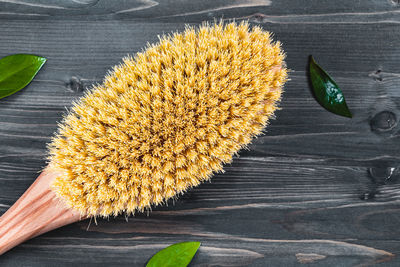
column 326, row 91
column 17, row 71
column 177, row 255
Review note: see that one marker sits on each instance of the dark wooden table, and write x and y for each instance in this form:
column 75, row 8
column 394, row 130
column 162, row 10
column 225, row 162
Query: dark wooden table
column 316, row 188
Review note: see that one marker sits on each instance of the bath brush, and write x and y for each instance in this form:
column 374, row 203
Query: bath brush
column 161, row 122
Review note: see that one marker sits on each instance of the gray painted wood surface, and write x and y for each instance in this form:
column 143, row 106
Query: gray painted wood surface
column 315, row 189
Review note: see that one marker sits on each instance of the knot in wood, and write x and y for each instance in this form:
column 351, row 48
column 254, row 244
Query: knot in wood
column 383, row 121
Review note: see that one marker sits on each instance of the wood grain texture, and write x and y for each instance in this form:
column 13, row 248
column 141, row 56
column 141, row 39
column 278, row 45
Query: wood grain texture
column 36, row 212
column 315, row 189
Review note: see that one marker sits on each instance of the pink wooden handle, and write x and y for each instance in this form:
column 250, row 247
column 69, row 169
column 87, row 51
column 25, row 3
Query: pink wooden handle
column 36, row 212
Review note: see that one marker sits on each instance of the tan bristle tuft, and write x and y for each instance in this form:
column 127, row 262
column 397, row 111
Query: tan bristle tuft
column 168, row 118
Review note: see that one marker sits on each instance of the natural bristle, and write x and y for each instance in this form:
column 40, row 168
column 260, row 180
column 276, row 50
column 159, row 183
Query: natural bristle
column 168, row 118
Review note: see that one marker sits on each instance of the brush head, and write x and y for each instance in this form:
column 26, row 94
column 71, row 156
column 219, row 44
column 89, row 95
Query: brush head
column 168, row 118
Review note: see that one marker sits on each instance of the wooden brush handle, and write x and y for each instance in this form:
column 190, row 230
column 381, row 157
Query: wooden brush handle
column 36, row 212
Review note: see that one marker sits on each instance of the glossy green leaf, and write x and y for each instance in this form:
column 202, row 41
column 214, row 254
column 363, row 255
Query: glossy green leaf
column 326, row 91
column 177, row 255
column 17, row 71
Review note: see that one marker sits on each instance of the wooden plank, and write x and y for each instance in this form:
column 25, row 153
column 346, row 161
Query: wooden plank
column 296, row 196
column 284, row 11
column 77, row 60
